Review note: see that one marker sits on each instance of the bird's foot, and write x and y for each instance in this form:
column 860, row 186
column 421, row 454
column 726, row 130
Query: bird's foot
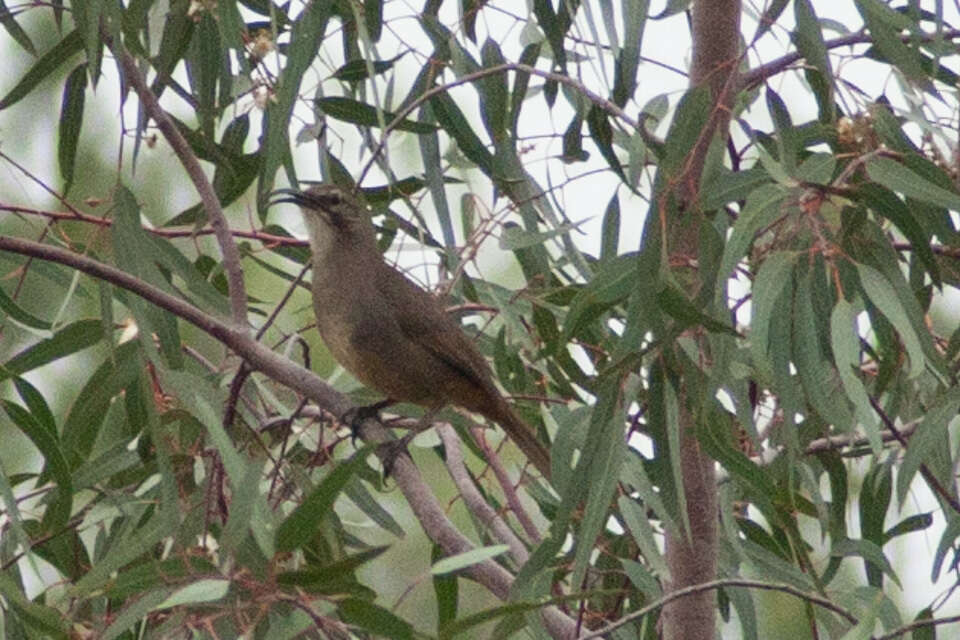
column 390, row 451
column 355, row 416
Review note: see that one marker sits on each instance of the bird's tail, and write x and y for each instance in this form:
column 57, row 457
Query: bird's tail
column 524, row 436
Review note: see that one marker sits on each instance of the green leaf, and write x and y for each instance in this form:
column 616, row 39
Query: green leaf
column 910, row 524
column 88, row 15
column 375, row 620
column 45, row 620
column 724, row 186
column 808, row 37
column 818, row 168
column 177, row 33
column 132, row 246
column 521, row 83
column 464, row 623
column 46, row 441
column 689, row 120
column 446, row 590
column 814, row 368
column 71, row 117
column 599, row 469
column 135, row 611
column 72, row 338
column 635, row 516
column 884, row 202
column 301, row 525
column 573, row 141
column 330, row 573
column 132, row 543
column 306, row 36
column 231, row 24
column 46, row 65
column 493, row 93
column 555, row 26
column 360, row 496
column 602, row 134
column 930, row 437
column 883, row 296
column 775, row 275
column 356, row 70
column 928, row 632
column 612, row 283
column 467, row 559
column 897, row 177
column 874, row 502
column 610, row 230
column 205, row 590
column 452, row 120
column 513, row 237
column 15, row 30
column 846, row 350
column 787, row 142
column 866, row 550
column 885, row 26
column 206, row 59
column 82, row 425
column 19, row 315
column 627, row 63
column 355, row 112
column 680, row 308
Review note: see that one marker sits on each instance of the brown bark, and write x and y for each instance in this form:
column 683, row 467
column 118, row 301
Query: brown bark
column 691, row 555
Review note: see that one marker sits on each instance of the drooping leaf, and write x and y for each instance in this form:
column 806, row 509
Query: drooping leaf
column 302, row 524
column 9, row 22
column 71, row 44
column 71, row 117
column 355, row 112
column 306, row 36
column 72, row 338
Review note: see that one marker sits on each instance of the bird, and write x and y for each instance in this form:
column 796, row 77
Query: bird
column 392, row 335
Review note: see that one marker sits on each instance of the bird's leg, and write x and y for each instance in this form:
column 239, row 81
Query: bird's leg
column 390, row 451
column 354, row 417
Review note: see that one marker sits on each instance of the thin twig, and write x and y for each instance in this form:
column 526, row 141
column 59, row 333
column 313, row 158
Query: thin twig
column 176, row 232
column 211, row 204
column 598, row 100
column 418, row 494
column 932, row 480
column 475, row 502
column 719, row 584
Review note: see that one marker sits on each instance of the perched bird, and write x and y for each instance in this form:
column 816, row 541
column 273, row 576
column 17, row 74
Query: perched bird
column 389, row 333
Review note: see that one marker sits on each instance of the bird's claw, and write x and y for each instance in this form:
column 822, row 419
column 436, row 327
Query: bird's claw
column 388, row 452
column 355, row 416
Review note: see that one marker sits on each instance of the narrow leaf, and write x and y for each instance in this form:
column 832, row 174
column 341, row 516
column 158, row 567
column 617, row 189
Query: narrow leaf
column 71, row 117
column 302, row 524
column 46, row 65
column 355, row 112
column 72, row 338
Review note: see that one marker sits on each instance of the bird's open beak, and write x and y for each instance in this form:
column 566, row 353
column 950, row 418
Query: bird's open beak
column 307, row 199
column 294, row 196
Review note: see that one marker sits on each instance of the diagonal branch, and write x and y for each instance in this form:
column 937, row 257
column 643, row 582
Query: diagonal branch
column 211, row 204
column 280, row 369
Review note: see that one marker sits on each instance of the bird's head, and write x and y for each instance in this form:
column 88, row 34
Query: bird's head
column 332, row 214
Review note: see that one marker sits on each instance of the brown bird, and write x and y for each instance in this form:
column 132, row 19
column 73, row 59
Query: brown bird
column 389, row 333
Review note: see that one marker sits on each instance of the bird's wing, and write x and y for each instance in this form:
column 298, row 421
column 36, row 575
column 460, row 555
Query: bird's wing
column 422, row 319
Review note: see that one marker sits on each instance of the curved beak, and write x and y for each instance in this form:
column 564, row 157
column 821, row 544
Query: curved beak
column 309, row 199
column 294, row 196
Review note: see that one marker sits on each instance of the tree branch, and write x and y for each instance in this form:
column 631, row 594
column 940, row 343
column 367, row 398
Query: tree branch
column 718, row 584
column 280, row 369
column 211, row 204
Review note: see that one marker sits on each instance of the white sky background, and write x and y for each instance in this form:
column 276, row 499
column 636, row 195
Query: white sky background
column 31, row 141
